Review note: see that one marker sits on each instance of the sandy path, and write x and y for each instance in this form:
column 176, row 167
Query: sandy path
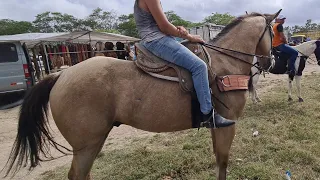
column 117, row 138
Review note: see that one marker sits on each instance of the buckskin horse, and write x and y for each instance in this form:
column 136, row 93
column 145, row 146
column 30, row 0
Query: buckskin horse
column 305, row 50
column 87, row 100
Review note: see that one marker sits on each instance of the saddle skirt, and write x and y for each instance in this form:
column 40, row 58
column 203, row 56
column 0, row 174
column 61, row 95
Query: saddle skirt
column 162, row 69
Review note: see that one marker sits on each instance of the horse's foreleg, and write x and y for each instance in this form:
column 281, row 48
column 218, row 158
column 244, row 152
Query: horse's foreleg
column 254, row 95
column 257, row 97
column 298, row 83
column 290, row 90
column 222, row 139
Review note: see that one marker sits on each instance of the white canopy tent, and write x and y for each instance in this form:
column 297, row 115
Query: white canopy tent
column 32, row 39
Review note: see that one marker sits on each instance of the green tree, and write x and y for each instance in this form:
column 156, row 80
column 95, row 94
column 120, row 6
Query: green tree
column 219, row 19
column 44, row 22
column 296, row 28
column 10, row 27
column 310, row 26
column 115, row 31
column 64, row 22
column 177, row 20
column 100, row 19
column 48, row 22
column 127, row 25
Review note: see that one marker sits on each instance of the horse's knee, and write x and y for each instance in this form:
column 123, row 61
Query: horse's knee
column 222, row 159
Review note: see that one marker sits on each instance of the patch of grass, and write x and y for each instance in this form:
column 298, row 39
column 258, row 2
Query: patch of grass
column 288, row 139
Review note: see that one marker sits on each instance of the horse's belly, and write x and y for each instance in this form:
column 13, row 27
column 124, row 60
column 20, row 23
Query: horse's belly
column 160, row 106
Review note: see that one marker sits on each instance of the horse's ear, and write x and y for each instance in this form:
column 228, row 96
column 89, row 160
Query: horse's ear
column 271, row 17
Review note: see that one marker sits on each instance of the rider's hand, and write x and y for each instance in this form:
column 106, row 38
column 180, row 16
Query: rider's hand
column 195, row 39
column 182, row 31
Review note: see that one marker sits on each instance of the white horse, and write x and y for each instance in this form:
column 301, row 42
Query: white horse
column 305, row 50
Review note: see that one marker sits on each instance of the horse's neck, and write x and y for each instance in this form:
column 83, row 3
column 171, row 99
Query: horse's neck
column 237, row 39
column 305, row 48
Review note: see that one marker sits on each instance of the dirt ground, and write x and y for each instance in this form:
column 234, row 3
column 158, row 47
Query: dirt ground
column 117, row 139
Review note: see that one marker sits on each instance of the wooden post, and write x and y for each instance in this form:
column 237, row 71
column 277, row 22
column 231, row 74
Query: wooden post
column 46, row 57
column 35, row 62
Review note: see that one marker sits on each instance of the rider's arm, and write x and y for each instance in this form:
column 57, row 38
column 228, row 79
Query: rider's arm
column 154, row 7
column 282, row 36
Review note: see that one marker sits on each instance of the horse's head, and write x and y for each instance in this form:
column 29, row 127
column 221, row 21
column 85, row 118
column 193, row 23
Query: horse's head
column 264, row 47
column 317, row 51
column 245, row 37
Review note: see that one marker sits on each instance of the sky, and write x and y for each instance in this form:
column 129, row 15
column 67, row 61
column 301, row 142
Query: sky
column 296, row 11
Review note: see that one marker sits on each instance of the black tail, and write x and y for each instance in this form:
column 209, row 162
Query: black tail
column 33, row 136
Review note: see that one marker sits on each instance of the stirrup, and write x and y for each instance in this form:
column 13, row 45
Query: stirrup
column 211, row 121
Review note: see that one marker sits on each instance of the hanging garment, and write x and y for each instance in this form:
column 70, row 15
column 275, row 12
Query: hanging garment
column 68, row 56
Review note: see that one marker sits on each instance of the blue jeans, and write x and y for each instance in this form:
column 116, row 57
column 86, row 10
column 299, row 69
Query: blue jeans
column 171, row 50
column 294, row 54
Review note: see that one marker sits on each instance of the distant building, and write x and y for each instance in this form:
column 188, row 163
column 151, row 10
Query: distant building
column 207, row 31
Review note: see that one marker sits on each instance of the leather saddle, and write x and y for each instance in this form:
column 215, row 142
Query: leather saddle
column 162, row 69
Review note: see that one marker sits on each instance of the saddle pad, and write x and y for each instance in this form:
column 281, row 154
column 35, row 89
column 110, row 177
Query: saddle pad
column 149, row 62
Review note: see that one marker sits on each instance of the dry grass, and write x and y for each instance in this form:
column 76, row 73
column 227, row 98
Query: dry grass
column 288, row 140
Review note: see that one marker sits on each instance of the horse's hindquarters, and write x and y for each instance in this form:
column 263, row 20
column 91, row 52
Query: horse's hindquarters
column 81, row 101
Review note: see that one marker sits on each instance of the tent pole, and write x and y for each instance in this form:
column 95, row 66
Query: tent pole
column 47, row 57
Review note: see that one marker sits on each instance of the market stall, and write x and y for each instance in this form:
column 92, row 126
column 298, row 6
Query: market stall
column 52, row 51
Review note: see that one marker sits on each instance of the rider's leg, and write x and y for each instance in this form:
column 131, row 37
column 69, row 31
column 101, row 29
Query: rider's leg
column 170, row 50
column 294, row 54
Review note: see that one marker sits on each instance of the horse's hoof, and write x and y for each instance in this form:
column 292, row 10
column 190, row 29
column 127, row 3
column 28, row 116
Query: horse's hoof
column 290, row 99
column 259, row 100
column 301, row 100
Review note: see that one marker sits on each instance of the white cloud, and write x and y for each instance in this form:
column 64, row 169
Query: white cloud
column 27, row 10
column 297, row 11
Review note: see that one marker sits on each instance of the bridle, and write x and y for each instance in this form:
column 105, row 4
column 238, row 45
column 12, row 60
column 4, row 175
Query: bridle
column 257, row 64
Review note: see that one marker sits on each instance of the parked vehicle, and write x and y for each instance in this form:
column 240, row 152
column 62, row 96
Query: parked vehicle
column 298, row 39
column 15, row 68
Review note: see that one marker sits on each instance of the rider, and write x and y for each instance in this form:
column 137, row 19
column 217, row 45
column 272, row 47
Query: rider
column 280, row 43
column 157, row 35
